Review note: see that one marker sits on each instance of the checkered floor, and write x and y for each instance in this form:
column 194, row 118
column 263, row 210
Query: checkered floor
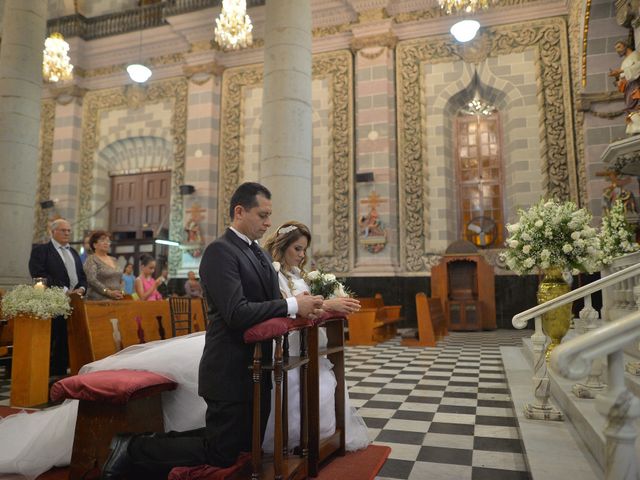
column 445, row 412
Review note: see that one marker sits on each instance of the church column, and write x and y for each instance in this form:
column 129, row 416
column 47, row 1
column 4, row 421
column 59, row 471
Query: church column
column 285, row 166
column 20, row 91
column 376, row 172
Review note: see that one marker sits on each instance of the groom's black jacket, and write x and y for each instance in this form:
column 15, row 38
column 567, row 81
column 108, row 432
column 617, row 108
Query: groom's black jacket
column 240, row 294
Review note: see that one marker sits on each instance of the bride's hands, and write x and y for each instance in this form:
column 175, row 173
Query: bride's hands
column 344, row 305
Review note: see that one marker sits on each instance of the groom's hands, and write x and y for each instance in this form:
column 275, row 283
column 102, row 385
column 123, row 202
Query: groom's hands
column 309, row 306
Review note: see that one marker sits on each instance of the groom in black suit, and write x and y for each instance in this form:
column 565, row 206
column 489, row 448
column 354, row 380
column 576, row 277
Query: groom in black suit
column 60, row 265
column 242, row 290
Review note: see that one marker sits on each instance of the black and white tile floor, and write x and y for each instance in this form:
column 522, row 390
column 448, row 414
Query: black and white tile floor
column 445, row 412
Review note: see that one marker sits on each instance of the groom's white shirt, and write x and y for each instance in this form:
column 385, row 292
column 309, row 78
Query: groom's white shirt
column 292, row 303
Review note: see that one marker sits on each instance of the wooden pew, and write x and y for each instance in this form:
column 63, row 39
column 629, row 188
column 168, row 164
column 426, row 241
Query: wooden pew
column 365, row 328
column 99, row 329
column 431, row 322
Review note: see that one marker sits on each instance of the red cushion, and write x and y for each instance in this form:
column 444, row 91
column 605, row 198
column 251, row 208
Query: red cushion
column 209, row 472
column 274, row 327
column 112, row 386
column 329, row 315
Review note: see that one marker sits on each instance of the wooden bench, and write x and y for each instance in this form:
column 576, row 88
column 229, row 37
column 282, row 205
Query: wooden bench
column 99, row 329
column 432, row 325
column 370, row 329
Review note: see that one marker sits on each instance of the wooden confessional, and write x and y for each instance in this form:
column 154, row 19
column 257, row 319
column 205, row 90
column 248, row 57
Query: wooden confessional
column 465, row 283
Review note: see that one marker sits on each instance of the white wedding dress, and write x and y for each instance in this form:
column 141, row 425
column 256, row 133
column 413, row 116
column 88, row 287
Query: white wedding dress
column 356, row 433
column 33, row 443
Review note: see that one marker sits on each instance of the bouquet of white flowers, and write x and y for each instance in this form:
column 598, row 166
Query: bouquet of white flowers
column 325, row 284
column 616, row 235
column 552, row 234
column 43, row 303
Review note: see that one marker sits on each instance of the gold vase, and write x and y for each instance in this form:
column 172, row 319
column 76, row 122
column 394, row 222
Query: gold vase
column 555, row 324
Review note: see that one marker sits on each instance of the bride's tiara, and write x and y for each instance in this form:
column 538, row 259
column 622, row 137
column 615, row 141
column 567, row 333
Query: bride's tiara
column 288, row 229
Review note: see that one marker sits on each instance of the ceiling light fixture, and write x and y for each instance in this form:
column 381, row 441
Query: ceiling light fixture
column 465, row 30
column 138, row 72
column 56, row 64
column 233, row 26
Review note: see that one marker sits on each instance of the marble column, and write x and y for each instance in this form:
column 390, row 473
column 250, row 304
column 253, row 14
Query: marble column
column 20, row 91
column 285, row 163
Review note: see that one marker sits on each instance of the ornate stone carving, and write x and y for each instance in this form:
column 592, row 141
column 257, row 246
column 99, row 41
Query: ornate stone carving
column 372, row 15
column 200, row 74
column 385, row 40
column 136, row 94
column 47, row 127
column 65, row 95
column 437, row 12
column 97, row 101
column 337, row 67
column 477, row 50
column 170, row 59
column 549, row 39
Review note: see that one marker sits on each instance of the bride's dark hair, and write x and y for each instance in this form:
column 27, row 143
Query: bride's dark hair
column 283, row 237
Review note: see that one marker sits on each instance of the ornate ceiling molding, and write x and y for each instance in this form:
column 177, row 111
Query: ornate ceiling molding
column 47, row 127
column 200, row 74
column 117, row 98
column 437, row 12
column 66, row 95
column 548, row 38
column 388, row 40
column 337, row 68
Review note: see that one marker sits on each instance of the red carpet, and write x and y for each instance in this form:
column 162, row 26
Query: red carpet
column 361, row 465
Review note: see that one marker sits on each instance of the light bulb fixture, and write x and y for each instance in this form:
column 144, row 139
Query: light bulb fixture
column 463, row 6
column 138, row 72
column 56, row 64
column 465, row 30
column 171, row 243
column 233, row 26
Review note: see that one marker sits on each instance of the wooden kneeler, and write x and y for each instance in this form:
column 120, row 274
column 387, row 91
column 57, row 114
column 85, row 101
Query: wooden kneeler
column 111, row 401
column 321, row 449
column 284, row 466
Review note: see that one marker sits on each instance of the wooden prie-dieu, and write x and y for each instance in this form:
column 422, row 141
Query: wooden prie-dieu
column 465, row 283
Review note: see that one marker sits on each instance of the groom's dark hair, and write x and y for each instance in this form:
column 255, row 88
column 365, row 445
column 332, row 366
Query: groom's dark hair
column 245, row 196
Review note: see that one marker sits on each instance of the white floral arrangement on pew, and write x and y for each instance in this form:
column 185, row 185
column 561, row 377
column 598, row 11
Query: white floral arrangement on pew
column 43, row 303
column 553, row 234
column 616, row 235
column 325, row 284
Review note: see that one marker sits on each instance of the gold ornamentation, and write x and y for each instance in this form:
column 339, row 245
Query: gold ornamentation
column 66, row 95
column 136, row 94
column 549, row 40
column 47, row 127
column 477, row 50
column 373, row 15
column 337, row 67
column 100, row 100
column 556, row 323
column 162, row 60
column 585, row 35
column 437, row 12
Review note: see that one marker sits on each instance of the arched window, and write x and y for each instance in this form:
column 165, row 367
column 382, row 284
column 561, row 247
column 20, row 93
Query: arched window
column 479, row 174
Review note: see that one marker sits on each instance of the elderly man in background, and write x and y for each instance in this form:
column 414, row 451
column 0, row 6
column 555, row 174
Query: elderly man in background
column 60, row 265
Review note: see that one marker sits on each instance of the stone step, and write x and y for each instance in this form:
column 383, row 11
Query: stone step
column 553, row 450
column 580, row 412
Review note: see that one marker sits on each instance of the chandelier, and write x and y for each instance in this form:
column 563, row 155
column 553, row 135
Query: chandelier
column 233, row 26
column 56, row 64
column 463, row 6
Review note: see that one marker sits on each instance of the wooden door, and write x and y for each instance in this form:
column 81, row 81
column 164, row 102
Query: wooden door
column 140, row 204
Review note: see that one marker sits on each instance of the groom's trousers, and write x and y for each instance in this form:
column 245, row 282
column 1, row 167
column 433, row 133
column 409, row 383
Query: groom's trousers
column 228, row 432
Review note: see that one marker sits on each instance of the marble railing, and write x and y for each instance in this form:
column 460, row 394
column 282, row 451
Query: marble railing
column 573, row 359
column 583, row 355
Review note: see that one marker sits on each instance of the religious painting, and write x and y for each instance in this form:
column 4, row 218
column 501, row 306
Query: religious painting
column 373, row 234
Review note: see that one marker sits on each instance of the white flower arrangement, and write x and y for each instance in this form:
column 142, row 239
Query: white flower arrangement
column 325, row 284
column 552, row 234
column 616, row 235
column 44, row 303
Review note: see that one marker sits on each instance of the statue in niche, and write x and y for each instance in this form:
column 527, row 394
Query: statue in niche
column 194, row 241
column 616, row 191
column 373, row 235
column 627, row 79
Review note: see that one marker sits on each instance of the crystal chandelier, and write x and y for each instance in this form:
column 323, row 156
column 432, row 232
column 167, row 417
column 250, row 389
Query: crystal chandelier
column 233, row 26
column 463, row 6
column 56, row 64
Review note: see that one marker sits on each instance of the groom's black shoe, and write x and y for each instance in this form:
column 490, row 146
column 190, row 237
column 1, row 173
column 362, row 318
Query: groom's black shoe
column 118, row 462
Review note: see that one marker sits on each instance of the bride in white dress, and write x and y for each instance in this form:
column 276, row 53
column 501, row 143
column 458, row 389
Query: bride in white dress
column 33, row 443
column 288, row 247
